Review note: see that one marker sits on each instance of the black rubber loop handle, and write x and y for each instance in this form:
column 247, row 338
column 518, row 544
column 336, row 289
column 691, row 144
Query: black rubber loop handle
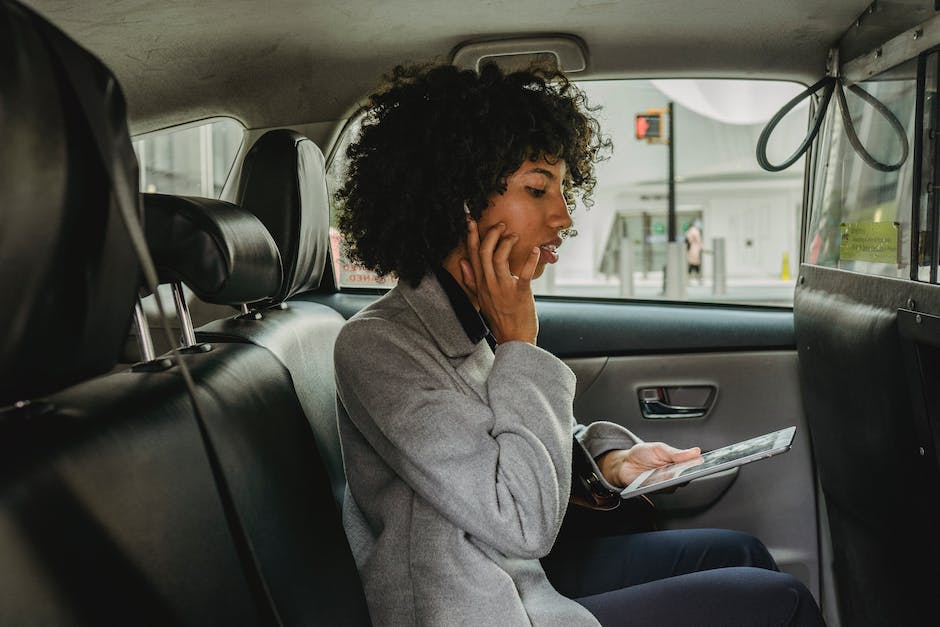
column 828, row 84
column 886, row 114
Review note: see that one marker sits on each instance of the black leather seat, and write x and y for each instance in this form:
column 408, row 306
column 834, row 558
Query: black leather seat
column 265, row 442
column 60, row 214
column 283, row 183
column 124, row 499
column 109, row 513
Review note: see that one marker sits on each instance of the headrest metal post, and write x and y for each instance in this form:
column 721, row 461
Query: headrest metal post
column 244, row 308
column 182, row 312
column 144, row 341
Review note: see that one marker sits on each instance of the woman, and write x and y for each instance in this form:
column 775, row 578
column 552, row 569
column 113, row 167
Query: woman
column 693, row 254
column 457, row 430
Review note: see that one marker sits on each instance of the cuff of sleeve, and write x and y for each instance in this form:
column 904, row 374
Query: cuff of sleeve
column 602, row 436
column 588, row 485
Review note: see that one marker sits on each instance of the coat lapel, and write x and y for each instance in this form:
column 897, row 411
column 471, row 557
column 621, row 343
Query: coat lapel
column 433, row 308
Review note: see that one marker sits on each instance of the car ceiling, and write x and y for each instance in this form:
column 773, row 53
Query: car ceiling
column 289, row 62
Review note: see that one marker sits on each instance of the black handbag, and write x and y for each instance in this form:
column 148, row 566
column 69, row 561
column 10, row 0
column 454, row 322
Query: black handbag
column 595, row 511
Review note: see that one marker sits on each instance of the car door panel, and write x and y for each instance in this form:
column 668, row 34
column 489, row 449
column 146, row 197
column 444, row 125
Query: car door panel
column 757, row 392
column 748, row 356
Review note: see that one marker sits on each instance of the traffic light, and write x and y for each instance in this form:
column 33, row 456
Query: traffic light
column 651, row 126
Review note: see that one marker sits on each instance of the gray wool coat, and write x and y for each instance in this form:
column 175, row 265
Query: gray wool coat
column 458, row 464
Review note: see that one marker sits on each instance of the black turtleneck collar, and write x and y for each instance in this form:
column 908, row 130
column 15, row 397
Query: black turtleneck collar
column 473, row 323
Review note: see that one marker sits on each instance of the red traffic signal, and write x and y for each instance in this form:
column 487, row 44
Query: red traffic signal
column 649, row 126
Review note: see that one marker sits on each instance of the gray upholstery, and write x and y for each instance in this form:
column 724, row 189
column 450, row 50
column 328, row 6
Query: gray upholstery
column 302, row 337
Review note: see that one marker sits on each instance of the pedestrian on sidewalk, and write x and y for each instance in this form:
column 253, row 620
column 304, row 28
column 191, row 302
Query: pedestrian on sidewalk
column 693, row 244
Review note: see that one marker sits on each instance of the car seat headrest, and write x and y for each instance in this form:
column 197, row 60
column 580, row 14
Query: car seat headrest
column 221, row 252
column 69, row 274
column 283, row 182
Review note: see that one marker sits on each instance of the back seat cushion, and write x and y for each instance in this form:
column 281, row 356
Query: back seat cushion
column 302, row 336
column 109, row 513
column 269, row 454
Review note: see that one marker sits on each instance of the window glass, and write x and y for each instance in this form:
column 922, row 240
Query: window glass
column 861, row 218
column 926, row 204
column 744, row 220
column 747, row 220
column 194, row 160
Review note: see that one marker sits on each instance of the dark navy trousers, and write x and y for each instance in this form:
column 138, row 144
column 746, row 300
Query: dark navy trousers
column 680, row 577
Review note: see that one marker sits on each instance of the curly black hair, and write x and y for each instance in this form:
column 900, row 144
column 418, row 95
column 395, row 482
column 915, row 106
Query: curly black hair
column 437, row 137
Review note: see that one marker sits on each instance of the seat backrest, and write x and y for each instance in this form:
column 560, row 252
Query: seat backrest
column 279, row 485
column 301, row 336
column 61, row 216
column 132, row 498
column 265, row 443
column 870, row 429
column 284, row 185
column 109, row 512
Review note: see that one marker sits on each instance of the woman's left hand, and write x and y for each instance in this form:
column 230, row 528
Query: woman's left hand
column 620, row 467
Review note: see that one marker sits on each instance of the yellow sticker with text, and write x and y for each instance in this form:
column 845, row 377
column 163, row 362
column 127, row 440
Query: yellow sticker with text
column 869, row 241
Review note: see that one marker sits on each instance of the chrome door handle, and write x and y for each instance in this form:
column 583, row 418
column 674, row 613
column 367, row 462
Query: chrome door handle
column 655, row 402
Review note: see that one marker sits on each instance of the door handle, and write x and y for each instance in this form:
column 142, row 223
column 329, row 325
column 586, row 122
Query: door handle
column 662, row 402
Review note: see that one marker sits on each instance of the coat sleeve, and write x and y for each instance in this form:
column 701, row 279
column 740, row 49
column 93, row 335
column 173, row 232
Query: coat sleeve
column 598, row 438
column 500, row 470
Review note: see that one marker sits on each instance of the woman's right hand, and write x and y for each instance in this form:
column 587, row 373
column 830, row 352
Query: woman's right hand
column 621, row 466
column 504, row 299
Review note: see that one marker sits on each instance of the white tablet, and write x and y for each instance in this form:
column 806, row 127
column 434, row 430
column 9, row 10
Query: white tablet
column 713, row 461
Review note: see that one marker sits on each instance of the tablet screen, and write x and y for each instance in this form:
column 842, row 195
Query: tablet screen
column 713, row 461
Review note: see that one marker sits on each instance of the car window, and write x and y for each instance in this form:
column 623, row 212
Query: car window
column 743, row 221
column 194, row 159
column 348, row 272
